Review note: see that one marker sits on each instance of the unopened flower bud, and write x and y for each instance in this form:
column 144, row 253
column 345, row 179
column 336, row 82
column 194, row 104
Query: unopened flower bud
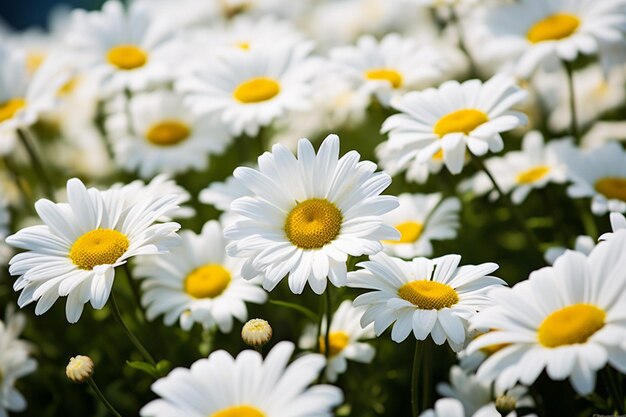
column 80, row 369
column 505, row 404
column 256, row 333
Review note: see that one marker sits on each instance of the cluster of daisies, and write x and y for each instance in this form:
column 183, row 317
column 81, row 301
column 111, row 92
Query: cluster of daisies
column 164, row 114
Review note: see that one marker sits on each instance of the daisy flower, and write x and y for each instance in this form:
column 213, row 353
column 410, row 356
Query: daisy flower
column 306, row 215
column 530, row 32
column 15, row 362
column 197, row 282
column 390, row 67
column 344, row 339
column 435, row 297
column 421, row 218
column 455, row 116
column 599, row 173
column 618, row 222
column 160, row 134
column 566, row 319
column 75, row 252
column 246, row 386
column 121, row 47
column 393, row 158
column 251, row 89
column 583, row 244
column 446, row 407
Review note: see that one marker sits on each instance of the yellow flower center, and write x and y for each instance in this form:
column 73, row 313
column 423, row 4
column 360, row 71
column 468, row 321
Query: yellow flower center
column 438, row 156
column 98, row 247
column 491, row 349
column 243, row 45
column 207, row 281
column 34, row 61
column 612, row 188
column 337, row 341
column 127, row 57
column 409, row 232
column 532, row 175
column 553, row 28
column 168, row 133
column 384, row 74
column 69, row 87
column 570, row 325
column 256, row 90
column 313, row 223
column 239, row 411
column 460, row 121
column 428, row 295
column 9, row 108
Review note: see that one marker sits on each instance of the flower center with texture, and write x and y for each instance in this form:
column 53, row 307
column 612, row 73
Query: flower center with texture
column 9, row 108
column 98, row 247
column 552, row 28
column 313, row 223
column 532, row 175
column 428, row 295
column 612, row 188
column 460, row 121
column 570, row 325
column 337, row 341
column 127, row 57
column 207, row 281
column 384, row 74
column 256, row 90
column 409, row 232
column 168, row 133
column 239, row 411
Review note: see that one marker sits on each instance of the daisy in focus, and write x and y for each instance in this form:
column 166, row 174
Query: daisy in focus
column 246, row 386
column 429, row 297
column 452, row 118
column 344, row 338
column 15, row 362
column 163, row 136
column 197, row 282
column 307, row 215
column 75, row 252
column 420, row 219
column 121, row 47
column 250, row 89
column 528, row 33
column 599, row 174
column 566, row 319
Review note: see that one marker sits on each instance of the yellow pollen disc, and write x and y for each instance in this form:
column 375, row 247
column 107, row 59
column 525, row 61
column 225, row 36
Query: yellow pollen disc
column 313, row 223
column 409, row 232
column 611, row 187
column 68, row 87
column 491, row 349
column 127, row 57
column 207, row 281
column 394, row 77
column 428, row 295
column 438, row 156
column 460, row 121
column 256, row 90
column 532, row 175
column 9, row 108
column 239, row 411
column 337, row 341
column 553, row 28
column 244, row 45
column 168, row 133
column 98, row 247
column 34, row 61
column 570, row 325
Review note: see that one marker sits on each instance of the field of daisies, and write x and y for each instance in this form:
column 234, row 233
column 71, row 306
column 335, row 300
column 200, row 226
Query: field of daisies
column 315, row 208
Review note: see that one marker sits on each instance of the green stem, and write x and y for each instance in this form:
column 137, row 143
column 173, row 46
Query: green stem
column 618, row 400
column 417, row 361
column 129, row 333
column 572, row 101
column 480, row 165
column 426, row 373
column 560, row 227
column 329, row 312
column 40, row 171
column 25, row 194
column 133, row 288
column 587, row 219
column 102, row 398
column 297, row 307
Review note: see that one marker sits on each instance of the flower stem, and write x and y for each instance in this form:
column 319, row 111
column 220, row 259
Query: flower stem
column 417, row 362
column 611, row 384
column 133, row 288
column 329, row 313
column 25, row 193
column 480, row 165
column 129, row 333
column 102, row 398
column 572, row 101
column 40, row 171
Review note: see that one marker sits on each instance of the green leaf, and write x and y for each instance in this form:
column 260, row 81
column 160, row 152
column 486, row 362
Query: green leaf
column 145, row 367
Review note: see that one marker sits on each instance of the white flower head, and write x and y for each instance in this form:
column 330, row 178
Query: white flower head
column 197, row 282
column 454, row 117
column 307, row 215
column 75, row 252
column 429, row 297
